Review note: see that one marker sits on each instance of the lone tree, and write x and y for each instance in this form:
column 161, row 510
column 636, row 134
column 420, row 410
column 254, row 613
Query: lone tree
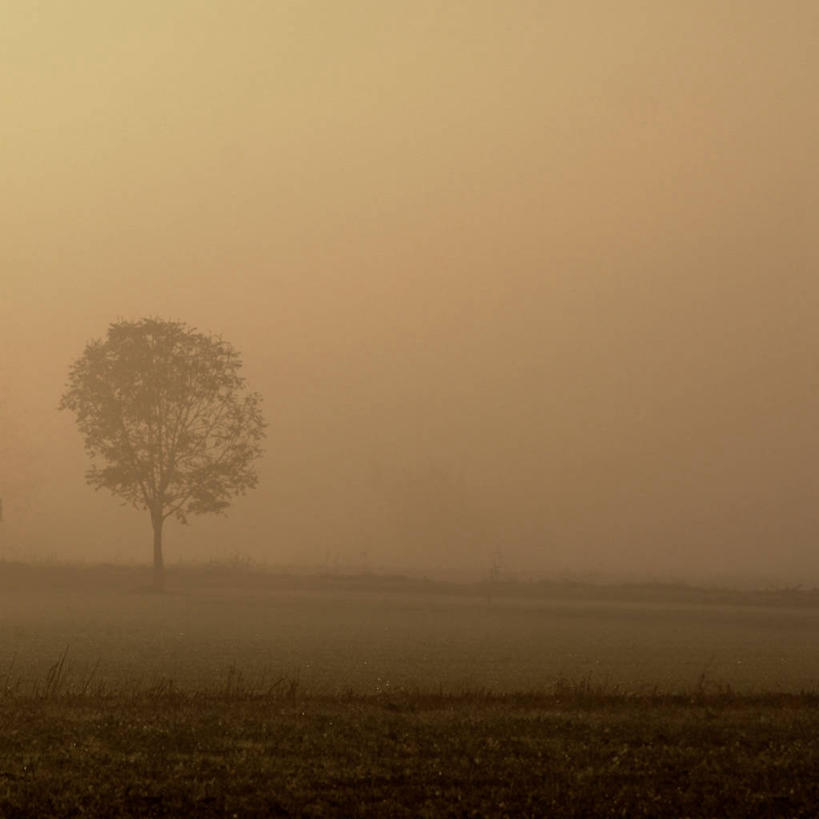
column 167, row 420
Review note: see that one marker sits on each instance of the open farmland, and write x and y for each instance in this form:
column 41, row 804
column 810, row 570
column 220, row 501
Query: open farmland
column 166, row 754
column 370, row 637
column 249, row 694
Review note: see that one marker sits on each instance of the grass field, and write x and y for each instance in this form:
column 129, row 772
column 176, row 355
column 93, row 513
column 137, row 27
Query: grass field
column 246, row 694
column 368, row 637
column 167, row 754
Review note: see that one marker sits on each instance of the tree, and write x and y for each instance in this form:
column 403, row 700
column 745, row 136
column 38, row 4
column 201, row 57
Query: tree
column 167, row 421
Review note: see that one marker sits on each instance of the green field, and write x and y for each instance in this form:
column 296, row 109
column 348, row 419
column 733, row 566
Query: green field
column 245, row 693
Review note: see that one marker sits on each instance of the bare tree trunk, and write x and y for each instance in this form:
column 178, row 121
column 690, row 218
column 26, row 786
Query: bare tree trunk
column 159, row 564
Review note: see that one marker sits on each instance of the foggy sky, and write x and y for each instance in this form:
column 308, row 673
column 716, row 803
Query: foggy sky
column 534, row 276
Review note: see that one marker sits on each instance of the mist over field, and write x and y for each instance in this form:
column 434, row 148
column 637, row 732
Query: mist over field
column 528, row 281
column 519, row 451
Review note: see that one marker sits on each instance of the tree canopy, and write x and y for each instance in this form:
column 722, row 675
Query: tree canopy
column 167, row 420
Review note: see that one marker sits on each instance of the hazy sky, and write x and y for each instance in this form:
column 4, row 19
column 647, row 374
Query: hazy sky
column 533, row 276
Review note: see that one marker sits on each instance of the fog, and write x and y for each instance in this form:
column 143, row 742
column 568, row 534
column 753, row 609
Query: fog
column 531, row 278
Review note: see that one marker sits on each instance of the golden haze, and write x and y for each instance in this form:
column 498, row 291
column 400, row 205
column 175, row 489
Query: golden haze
column 537, row 276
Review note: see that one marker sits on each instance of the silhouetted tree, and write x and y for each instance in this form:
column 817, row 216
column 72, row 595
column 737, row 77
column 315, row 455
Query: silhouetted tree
column 167, row 421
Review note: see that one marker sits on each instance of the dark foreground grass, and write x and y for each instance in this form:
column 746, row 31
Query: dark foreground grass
column 576, row 751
